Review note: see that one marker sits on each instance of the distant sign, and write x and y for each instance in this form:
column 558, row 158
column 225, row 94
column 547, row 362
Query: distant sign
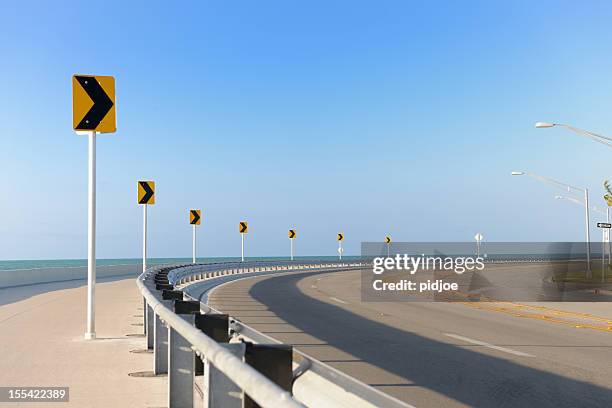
column 388, row 239
column 195, row 217
column 340, row 237
column 478, row 237
column 146, row 192
column 93, row 103
column 604, row 225
column 291, row 233
column 243, row 227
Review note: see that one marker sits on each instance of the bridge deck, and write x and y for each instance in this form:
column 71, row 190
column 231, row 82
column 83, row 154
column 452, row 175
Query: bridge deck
column 41, row 333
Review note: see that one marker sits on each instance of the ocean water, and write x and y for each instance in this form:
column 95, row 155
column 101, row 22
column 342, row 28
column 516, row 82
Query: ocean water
column 65, row 263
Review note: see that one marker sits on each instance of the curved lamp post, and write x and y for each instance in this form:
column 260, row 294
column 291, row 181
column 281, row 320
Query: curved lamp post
column 591, row 135
column 569, row 188
column 605, row 212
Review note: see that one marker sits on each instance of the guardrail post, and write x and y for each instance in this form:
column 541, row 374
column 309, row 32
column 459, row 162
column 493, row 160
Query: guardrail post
column 272, row 360
column 181, row 359
column 150, row 319
column 160, row 340
column 215, row 326
column 219, row 390
column 160, row 345
column 144, row 314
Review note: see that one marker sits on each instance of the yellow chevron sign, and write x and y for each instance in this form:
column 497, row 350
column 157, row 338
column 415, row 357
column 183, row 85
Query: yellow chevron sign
column 195, row 217
column 243, row 227
column 146, row 192
column 340, row 236
column 93, row 103
column 292, row 233
column 388, row 239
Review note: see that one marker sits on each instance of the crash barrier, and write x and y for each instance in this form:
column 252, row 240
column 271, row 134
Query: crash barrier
column 214, row 360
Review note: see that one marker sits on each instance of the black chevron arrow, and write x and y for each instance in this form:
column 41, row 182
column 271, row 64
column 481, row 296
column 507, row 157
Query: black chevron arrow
column 101, row 103
column 243, row 227
column 196, row 217
column 292, row 233
column 148, row 192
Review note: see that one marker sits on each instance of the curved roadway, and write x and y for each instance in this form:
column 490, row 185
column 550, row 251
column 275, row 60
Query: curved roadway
column 432, row 354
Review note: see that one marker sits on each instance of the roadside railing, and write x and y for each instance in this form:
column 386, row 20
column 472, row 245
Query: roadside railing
column 213, row 360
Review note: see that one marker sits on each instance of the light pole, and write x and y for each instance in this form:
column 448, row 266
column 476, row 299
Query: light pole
column 569, row 188
column 605, row 212
column 605, row 231
column 591, row 135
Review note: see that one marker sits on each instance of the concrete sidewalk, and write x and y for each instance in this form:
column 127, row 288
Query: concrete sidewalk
column 41, row 340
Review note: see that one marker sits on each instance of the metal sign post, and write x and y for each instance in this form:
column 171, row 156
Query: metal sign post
column 144, row 238
column 478, row 237
column 292, row 235
column 608, row 236
column 145, row 197
column 388, row 242
column 93, row 111
column 90, row 334
column 243, row 228
column 340, row 238
column 195, row 217
column 606, row 239
column 608, row 199
column 605, row 228
column 194, row 244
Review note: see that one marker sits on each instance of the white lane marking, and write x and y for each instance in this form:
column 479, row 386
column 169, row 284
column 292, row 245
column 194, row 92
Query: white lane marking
column 338, row 300
column 489, row 345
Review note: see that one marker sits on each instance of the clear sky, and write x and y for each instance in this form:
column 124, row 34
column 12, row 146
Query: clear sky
column 366, row 117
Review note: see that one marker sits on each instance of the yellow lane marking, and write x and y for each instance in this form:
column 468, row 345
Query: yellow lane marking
column 552, row 319
column 561, row 312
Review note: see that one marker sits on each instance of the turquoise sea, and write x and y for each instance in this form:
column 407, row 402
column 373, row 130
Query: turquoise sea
column 63, row 263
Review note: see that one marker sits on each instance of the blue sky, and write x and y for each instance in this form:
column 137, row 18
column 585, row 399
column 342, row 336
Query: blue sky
column 365, row 117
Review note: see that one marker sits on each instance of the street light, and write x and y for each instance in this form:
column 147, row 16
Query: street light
column 605, row 231
column 594, row 207
column 569, row 188
column 548, row 180
column 591, row 135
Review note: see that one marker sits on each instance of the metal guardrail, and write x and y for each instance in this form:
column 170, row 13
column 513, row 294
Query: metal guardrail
column 231, row 376
column 188, row 340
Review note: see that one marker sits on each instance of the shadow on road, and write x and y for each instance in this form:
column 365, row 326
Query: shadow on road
column 466, row 376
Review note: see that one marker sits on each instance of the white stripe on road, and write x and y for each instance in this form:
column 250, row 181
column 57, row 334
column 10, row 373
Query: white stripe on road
column 489, row 345
column 339, row 300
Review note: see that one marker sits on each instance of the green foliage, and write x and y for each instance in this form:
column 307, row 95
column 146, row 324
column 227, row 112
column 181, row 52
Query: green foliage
column 608, row 197
column 606, row 185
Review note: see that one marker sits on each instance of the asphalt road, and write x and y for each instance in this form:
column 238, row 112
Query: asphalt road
column 434, row 354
